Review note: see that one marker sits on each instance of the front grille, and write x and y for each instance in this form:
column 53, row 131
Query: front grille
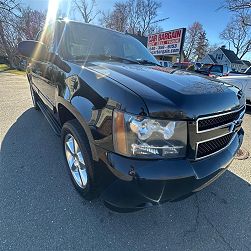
column 212, row 146
column 218, row 120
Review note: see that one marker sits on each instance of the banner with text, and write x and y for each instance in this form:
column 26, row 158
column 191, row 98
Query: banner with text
column 166, row 43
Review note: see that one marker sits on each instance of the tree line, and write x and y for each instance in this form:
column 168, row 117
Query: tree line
column 133, row 16
column 237, row 33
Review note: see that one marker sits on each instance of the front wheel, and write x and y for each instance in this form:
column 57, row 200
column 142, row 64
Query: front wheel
column 78, row 158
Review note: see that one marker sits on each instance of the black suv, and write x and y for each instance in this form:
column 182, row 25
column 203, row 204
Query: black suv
column 134, row 131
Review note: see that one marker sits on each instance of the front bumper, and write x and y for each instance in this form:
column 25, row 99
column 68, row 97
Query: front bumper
column 140, row 183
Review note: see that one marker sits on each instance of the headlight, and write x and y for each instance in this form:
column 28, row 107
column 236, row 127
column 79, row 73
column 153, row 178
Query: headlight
column 140, row 136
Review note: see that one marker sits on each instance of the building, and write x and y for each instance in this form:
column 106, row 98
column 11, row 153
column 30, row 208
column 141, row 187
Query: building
column 225, row 57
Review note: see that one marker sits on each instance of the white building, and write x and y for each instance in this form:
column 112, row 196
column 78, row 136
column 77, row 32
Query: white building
column 223, row 56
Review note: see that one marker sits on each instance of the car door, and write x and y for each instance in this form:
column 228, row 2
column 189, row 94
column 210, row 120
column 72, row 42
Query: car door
column 42, row 72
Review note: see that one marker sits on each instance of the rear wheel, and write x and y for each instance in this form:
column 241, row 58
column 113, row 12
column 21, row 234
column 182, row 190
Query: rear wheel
column 78, row 158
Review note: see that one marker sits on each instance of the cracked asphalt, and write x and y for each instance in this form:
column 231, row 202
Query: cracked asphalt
column 40, row 210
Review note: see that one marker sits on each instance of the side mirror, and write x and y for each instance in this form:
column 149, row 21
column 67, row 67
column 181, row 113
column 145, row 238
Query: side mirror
column 38, row 51
column 33, row 49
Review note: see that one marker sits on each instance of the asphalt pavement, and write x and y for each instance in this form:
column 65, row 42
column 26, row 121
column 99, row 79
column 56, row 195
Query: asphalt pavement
column 40, row 210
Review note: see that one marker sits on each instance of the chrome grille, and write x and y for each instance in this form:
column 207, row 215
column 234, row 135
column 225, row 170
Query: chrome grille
column 213, row 146
column 224, row 126
column 216, row 121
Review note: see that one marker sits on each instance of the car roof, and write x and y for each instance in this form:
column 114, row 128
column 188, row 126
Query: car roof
column 65, row 22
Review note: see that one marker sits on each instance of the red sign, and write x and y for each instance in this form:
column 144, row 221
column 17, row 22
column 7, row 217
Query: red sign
column 166, row 43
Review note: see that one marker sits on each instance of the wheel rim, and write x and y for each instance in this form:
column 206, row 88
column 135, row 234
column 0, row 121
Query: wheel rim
column 75, row 161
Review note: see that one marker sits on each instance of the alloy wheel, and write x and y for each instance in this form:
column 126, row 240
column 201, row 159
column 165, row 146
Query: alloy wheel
column 75, row 161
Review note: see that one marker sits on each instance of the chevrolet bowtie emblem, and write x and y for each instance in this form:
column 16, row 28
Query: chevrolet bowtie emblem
column 232, row 127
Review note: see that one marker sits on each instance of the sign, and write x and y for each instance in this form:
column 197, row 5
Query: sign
column 166, row 43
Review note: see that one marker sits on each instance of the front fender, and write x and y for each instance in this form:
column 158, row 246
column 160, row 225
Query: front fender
column 78, row 113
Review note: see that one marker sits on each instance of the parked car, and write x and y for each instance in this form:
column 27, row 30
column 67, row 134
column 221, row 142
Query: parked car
column 241, row 81
column 214, row 70
column 182, row 65
column 131, row 131
column 166, row 63
column 246, row 72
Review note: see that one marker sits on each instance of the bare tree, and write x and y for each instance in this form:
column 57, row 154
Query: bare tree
column 132, row 16
column 213, row 47
column 87, row 9
column 242, row 8
column 31, row 22
column 8, row 6
column 239, row 36
column 235, row 5
column 149, row 12
column 192, row 36
column 117, row 19
column 17, row 23
column 9, row 38
column 201, row 47
column 9, row 11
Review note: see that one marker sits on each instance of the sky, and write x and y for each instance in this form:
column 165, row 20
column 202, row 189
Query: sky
column 181, row 13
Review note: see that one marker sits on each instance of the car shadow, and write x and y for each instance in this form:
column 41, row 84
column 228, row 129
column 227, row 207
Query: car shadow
column 35, row 190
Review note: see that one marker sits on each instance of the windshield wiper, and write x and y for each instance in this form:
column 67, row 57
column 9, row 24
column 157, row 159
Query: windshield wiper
column 106, row 57
column 111, row 57
column 117, row 58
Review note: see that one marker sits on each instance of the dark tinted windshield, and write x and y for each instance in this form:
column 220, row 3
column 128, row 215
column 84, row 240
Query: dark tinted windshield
column 82, row 41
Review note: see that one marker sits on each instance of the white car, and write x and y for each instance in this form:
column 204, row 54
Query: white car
column 241, row 81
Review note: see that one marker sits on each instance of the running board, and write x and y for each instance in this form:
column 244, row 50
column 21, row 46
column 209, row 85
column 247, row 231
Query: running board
column 48, row 115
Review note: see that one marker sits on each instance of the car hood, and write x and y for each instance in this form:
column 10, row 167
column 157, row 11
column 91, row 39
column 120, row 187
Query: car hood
column 173, row 94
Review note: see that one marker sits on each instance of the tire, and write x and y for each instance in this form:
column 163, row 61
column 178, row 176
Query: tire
column 34, row 98
column 74, row 141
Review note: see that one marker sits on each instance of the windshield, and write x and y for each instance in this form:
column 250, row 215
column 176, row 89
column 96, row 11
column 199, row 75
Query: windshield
column 87, row 42
column 205, row 67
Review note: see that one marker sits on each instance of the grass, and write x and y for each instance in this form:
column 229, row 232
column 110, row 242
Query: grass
column 6, row 68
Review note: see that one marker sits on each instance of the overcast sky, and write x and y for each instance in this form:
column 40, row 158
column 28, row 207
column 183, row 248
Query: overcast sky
column 181, row 13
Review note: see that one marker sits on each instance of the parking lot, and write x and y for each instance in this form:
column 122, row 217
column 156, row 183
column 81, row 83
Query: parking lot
column 40, row 210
